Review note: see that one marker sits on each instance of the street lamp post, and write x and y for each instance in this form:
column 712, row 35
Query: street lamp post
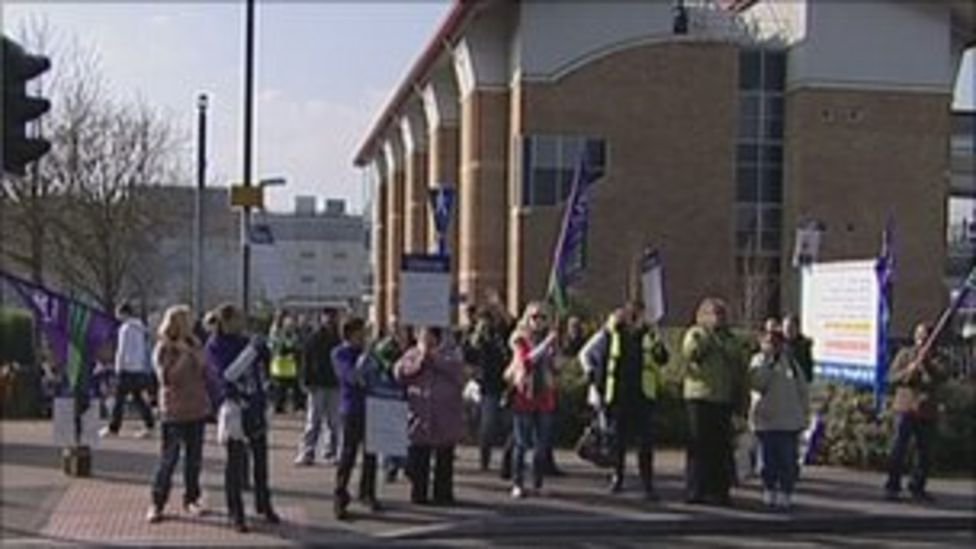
column 198, row 206
column 248, row 115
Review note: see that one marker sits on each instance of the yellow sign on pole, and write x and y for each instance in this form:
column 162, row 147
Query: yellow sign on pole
column 242, row 197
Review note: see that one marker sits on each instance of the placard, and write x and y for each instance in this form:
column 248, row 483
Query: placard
column 652, row 286
column 386, row 426
column 64, row 423
column 841, row 310
column 425, row 290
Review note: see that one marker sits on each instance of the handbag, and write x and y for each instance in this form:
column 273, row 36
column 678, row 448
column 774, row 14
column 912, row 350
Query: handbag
column 596, row 445
column 230, row 422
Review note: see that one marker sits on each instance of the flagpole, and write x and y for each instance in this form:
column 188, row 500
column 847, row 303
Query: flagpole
column 968, row 284
column 554, row 279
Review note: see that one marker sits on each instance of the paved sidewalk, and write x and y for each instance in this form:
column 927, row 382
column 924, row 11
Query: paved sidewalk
column 42, row 506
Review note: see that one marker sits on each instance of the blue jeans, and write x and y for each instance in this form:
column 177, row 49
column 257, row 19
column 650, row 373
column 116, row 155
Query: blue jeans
column 188, row 434
column 490, row 423
column 531, row 429
column 323, row 404
column 906, row 427
column 779, row 459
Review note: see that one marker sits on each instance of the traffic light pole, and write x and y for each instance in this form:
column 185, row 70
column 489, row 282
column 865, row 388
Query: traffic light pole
column 248, row 114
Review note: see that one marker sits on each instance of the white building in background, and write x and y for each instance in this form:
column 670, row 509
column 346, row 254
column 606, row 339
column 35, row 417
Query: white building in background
column 318, row 257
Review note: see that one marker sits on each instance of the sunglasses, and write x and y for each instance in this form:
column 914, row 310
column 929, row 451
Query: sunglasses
column 538, row 316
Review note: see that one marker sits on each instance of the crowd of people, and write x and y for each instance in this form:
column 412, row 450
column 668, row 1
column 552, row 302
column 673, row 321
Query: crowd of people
column 215, row 369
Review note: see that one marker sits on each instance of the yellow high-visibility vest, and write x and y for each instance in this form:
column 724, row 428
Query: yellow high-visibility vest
column 649, row 371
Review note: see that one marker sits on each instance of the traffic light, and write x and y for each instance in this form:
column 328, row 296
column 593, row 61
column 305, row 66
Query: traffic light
column 19, row 108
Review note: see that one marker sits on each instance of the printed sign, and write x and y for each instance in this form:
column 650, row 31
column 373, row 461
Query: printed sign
column 652, row 286
column 425, row 290
column 64, row 423
column 841, row 312
column 386, row 426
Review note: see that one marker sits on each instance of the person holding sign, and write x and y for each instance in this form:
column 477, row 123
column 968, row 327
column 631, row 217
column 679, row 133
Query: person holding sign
column 352, row 412
column 778, row 416
column 916, row 376
column 532, row 378
column 433, row 374
column 714, row 388
column 239, row 364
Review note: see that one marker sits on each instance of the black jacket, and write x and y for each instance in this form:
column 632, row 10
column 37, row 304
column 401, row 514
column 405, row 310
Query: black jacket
column 486, row 348
column 318, row 371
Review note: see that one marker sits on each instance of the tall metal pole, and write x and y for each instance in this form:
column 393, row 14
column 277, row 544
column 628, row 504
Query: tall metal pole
column 198, row 206
column 248, row 112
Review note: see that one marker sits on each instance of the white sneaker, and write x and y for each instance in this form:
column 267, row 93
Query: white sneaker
column 785, row 500
column 303, row 461
column 154, row 515
column 518, row 492
column 769, row 498
column 105, row 432
column 143, row 432
column 195, row 509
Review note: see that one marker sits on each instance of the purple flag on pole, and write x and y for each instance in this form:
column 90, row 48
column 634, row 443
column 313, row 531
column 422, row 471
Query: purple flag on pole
column 568, row 260
column 886, row 275
column 76, row 333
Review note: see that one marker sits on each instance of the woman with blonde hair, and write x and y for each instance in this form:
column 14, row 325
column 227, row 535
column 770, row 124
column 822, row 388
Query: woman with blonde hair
column 184, row 406
column 531, row 375
column 714, row 387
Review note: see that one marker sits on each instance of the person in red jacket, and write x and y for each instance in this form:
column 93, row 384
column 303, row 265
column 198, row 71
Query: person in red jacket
column 531, row 376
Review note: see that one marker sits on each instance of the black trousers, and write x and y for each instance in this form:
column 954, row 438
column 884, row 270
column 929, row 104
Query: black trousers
column 633, row 420
column 188, row 434
column 282, row 387
column 130, row 383
column 235, row 474
column 353, row 435
column 709, row 451
column 418, row 465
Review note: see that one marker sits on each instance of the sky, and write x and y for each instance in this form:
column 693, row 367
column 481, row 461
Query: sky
column 323, row 72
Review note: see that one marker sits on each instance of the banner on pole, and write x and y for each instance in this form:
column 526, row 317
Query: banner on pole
column 77, row 335
column 841, row 312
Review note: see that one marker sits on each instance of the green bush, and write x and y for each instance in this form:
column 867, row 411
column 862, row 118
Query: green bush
column 855, row 436
column 16, row 336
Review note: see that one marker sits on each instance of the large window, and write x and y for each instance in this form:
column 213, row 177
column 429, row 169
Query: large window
column 759, row 154
column 759, row 179
column 549, row 162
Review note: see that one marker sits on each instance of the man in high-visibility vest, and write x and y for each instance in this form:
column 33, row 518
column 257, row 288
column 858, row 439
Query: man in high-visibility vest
column 632, row 354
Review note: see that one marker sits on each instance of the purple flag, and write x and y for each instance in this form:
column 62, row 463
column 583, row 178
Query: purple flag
column 76, row 333
column 568, row 260
column 886, row 275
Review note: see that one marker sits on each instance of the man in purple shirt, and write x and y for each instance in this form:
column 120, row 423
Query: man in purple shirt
column 352, row 414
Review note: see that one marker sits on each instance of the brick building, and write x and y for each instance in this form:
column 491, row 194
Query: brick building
column 714, row 144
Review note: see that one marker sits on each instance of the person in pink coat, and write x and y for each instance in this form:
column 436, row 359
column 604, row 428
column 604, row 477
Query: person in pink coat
column 433, row 374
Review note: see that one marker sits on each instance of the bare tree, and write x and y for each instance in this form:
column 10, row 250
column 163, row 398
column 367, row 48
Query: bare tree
column 757, row 288
column 111, row 225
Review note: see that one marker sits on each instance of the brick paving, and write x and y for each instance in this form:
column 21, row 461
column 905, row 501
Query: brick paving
column 42, row 506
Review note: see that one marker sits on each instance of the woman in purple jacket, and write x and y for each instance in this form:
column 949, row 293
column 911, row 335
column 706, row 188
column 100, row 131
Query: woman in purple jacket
column 226, row 343
column 433, row 374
